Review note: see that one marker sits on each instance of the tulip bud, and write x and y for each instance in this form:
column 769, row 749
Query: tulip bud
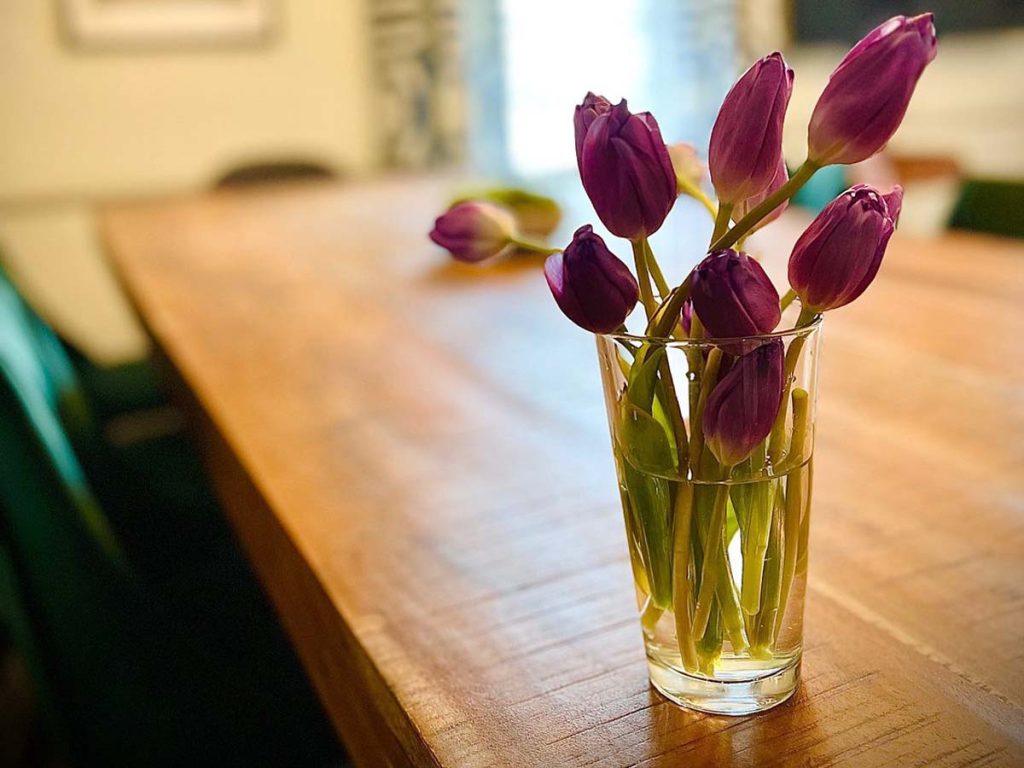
column 625, row 168
column 867, row 95
column 592, row 106
column 742, row 407
column 746, row 141
column 686, row 316
column 474, row 230
column 590, row 284
column 687, row 165
column 745, row 207
column 733, row 296
column 838, row 255
column 535, row 214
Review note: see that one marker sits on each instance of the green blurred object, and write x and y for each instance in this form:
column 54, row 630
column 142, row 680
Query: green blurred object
column 996, row 207
column 152, row 641
column 535, row 214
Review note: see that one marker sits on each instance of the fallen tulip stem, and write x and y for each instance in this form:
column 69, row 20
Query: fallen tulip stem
column 766, row 206
column 532, row 246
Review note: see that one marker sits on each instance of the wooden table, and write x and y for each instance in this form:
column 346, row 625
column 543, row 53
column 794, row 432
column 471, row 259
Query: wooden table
column 415, row 455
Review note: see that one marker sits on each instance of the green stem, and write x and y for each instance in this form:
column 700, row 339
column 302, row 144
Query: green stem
column 662, row 325
column 796, row 499
column 650, row 615
column 805, row 520
column 766, row 206
column 712, row 557
column 756, row 546
column 532, row 246
column 682, row 585
column 728, row 602
column 675, row 415
column 697, row 417
column 655, row 269
column 643, row 278
column 787, row 299
column 671, row 399
column 777, row 438
column 761, row 644
column 798, row 441
column 698, row 194
column 721, row 222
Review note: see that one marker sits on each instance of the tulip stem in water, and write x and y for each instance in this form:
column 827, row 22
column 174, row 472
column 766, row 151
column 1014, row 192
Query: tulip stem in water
column 798, row 441
column 682, row 587
column 713, row 551
column 795, row 499
column 650, row 615
column 766, row 206
column 755, row 541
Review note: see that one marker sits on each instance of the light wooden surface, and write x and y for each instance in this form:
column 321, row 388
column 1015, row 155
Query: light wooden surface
column 415, row 455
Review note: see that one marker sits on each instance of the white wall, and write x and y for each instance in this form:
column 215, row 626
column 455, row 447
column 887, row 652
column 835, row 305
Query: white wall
column 78, row 125
column 84, row 123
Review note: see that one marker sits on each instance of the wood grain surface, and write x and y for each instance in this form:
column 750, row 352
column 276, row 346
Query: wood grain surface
column 415, row 455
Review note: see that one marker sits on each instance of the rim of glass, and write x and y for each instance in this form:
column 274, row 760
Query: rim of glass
column 668, row 341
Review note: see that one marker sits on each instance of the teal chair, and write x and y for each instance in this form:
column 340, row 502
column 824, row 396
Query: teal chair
column 177, row 663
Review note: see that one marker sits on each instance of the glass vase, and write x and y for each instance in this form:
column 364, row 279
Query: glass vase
column 718, row 552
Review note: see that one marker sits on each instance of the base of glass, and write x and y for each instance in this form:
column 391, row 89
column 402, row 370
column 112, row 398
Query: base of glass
column 725, row 697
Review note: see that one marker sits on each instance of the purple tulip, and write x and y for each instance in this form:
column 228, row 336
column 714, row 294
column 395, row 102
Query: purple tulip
column 742, row 407
column 625, row 167
column 590, row 284
column 867, row 95
column 592, row 106
column 474, row 230
column 838, row 255
column 733, row 296
column 746, row 141
column 743, row 208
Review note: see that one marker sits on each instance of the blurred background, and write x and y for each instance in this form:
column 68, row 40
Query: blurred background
column 108, row 100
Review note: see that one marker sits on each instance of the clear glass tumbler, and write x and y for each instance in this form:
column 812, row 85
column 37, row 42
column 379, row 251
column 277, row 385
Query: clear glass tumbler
column 718, row 549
